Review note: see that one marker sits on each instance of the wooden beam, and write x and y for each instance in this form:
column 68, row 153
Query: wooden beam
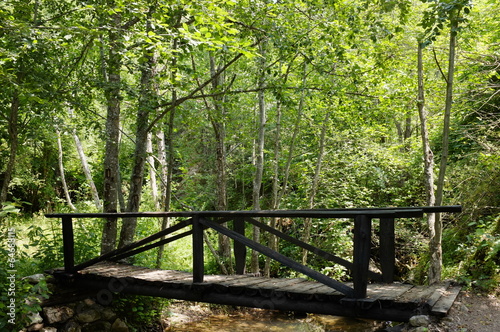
column 387, row 249
column 68, row 244
column 198, row 259
column 240, row 250
column 362, row 244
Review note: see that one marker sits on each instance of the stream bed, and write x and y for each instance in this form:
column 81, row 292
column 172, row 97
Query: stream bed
column 198, row 319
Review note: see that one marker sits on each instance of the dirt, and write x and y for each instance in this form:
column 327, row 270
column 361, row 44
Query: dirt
column 471, row 312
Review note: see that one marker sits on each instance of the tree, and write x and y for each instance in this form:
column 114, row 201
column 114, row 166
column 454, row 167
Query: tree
column 112, row 78
column 439, row 12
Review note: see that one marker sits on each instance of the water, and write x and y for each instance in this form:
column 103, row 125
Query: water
column 276, row 322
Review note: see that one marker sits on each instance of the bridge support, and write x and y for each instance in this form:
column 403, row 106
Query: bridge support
column 361, row 255
column 198, row 259
column 68, row 244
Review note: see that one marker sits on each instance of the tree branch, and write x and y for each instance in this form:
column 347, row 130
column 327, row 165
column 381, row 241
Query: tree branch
column 171, row 105
column 437, row 63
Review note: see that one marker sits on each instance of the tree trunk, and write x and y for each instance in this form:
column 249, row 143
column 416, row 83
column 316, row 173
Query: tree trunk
column 152, row 172
column 314, row 187
column 86, row 171
column 61, row 171
column 145, row 107
column 436, row 250
column 217, row 118
column 428, row 157
column 167, row 171
column 14, row 144
column 111, row 158
column 167, row 167
column 259, row 160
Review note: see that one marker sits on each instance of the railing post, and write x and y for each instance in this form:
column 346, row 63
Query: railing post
column 240, row 250
column 198, row 263
column 68, row 244
column 387, row 249
column 362, row 244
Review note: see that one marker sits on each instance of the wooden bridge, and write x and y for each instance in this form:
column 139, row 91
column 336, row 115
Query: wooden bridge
column 369, row 295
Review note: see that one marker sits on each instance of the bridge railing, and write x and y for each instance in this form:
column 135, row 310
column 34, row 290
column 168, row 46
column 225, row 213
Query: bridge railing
column 201, row 220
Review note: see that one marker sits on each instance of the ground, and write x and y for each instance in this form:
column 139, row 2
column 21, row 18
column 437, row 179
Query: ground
column 471, row 312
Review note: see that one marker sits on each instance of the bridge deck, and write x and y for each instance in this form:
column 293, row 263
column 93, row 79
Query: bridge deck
column 396, row 301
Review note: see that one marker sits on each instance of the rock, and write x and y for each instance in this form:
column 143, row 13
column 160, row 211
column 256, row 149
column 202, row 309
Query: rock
column 119, row 326
column 35, row 278
column 108, row 314
column 72, row 326
column 58, row 314
column 100, row 326
column 89, row 302
column 48, row 329
column 88, row 316
column 35, row 327
column 420, row 320
column 35, row 318
column 420, row 329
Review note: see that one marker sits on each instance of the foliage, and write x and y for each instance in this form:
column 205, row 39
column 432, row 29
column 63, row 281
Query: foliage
column 14, row 286
column 141, row 312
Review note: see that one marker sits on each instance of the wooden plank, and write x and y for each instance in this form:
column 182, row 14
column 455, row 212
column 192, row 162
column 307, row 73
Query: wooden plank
column 110, row 270
column 272, row 284
column 158, row 275
column 247, row 281
column 416, row 294
column 278, row 284
column 302, row 287
column 385, row 292
column 443, row 305
column 324, row 290
column 440, row 289
column 223, row 278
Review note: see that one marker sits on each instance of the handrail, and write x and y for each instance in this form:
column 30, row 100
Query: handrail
column 212, row 219
column 401, row 212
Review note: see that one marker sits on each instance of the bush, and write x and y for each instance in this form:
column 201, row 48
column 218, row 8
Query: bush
column 141, row 312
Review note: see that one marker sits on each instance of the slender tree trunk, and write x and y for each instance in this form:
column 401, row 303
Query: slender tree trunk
column 314, row 187
column 167, row 167
column 273, row 241
column 167, row 171
column 259, row 160
column 152, row 172
column 61, row 171
column 86, row 171
column 276, row 198
column 111, row 158
column 14, row 144
column 145, row 107
column 436, row 250
column 215, row 253
column 218, row 124
column 428, row 159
